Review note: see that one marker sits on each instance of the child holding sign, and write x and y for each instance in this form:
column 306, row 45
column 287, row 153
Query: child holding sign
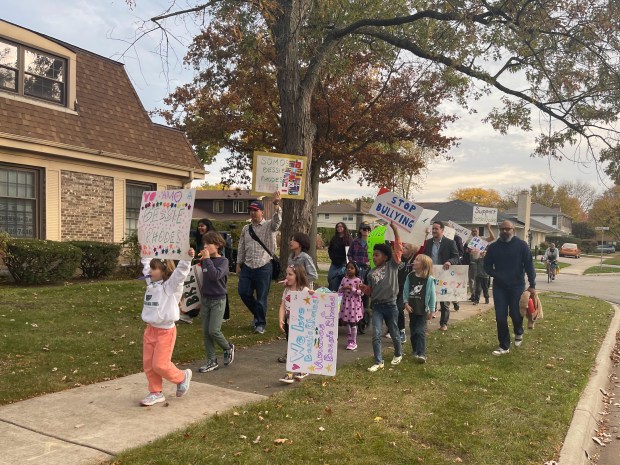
column 383, row 289
column 164, row 286
column 296, row 280
column 419, row 290
column 214, row 278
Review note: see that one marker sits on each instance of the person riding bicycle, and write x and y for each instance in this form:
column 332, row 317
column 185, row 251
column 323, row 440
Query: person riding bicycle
column 551, row 257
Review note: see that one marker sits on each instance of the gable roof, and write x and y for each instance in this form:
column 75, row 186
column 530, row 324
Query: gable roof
column 225, row 194
column 538, row 209
column 111, row 118
column 343, row 207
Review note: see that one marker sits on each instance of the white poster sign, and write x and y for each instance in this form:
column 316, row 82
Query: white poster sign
column 484, row 215
column 478, row 243
column 164, row 223
column 397, row 209
column 313, row 333
column 462, row 231
column 192, row 291
column 450, row 284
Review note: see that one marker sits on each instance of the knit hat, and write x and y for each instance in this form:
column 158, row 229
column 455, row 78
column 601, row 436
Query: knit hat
column 385, row 249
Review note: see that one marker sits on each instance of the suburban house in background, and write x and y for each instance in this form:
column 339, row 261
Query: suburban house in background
column 553, row 217
column 227, row 205
column 350, row 213
column 77, row 148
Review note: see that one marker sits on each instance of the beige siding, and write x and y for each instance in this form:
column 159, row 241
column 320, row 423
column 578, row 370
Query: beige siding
column 119, row 209
column 52, row 205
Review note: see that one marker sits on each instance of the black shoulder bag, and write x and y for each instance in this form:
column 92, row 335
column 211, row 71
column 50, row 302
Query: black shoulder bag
column 276, row 269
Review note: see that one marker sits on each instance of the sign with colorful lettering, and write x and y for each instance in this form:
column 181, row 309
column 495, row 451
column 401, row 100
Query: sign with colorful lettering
column 313, row 333
column 164, row 223
column 478, row 243
column 462, row 231
column 192, row 291
column 394, row 208
column 450, row 284
column 484, row 215
column 279, row 172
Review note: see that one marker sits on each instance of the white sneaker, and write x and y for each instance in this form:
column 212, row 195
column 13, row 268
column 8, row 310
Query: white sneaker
column 376, row 367
column 499, row 351
column 396, row 360
column 518, row 340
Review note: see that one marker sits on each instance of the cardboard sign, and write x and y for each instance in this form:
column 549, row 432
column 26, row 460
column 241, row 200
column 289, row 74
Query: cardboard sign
column 397, row 209
column 278, row 172
column 164, row 223
column 462, row 231
column 313, row 333
column 450, row 284
column 478, row 243
column 192, row 290
column 484, row 215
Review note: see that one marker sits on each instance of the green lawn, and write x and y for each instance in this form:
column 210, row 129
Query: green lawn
column 463, row 406
column 604, row 269
column 543, row 266
column 612, row 261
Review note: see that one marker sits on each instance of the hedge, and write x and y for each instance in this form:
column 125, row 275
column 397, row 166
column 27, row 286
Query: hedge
column 33, row 261
column 99, row 259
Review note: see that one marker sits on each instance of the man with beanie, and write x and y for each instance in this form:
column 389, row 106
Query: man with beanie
column 508, row 260
column 443, row 251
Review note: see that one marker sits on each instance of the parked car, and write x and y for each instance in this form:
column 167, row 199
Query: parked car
column 606, row 248
column 569, row 249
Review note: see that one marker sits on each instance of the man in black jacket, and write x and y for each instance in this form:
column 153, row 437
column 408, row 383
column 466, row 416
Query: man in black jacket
column 443, row 251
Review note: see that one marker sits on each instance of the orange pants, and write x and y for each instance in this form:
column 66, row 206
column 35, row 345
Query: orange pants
column 157, row 347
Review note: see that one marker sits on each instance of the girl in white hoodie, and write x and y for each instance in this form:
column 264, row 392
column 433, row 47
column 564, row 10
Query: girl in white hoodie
column 160, row 311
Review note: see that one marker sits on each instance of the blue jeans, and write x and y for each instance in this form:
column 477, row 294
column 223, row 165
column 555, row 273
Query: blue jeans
column 334, row 276
column 506, row 300
column 417, row 330
column 389, row 313
column 259, row 280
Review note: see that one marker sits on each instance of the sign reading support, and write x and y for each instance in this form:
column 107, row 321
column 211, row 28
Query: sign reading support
column 313, row 333
column 164, row 223
column 273, row 172
column 484, row 215
column 450, row 284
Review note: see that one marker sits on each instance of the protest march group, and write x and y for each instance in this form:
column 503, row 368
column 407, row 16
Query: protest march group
column 408, row 266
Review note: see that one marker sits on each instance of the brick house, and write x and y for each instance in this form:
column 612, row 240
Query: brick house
column 77, row 148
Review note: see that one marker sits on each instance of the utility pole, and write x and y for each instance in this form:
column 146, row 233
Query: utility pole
column 602, row 229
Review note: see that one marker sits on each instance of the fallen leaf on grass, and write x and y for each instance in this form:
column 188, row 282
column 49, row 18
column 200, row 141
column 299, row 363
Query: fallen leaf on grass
column 236, row 414
column 321, row 429
column 243, row 437
column 378, row 419
column 237, row 454
column 328, row 410
column 358, row 436
column 598, row 441
column 281, row 441
column 257, row 440
column 187, row 435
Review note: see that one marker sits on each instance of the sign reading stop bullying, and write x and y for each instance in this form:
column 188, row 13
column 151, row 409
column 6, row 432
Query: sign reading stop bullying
column 397, row 209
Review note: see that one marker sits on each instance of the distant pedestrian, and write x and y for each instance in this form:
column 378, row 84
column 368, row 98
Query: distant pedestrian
column 471, row 256
column 299, row 246
column 338, row 256
column 254, row 262
column 351, row 308
column 214, row 279
column 508, row 260
column 160, row 311
column 295, row 280
column 419, row 290
column 482, row 280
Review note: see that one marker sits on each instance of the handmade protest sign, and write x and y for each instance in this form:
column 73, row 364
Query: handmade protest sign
column 394, row 208
column 313, row 333
column 477, row 243
column 484, row 215
column 164, row 223
column 449, row 232
column 273, row 172
column 376, row 236
column 450, row 284
column 462, row 231
column 190, row 300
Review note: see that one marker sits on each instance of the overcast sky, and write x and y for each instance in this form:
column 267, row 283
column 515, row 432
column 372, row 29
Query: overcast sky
column 484, row 158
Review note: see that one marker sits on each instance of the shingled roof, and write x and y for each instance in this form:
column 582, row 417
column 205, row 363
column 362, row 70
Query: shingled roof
column 110, row 117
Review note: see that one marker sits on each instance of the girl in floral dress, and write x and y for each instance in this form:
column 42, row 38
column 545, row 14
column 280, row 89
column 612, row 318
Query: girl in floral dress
column 351, row 308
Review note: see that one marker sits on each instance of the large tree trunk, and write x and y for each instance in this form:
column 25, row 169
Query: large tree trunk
column 298, row 131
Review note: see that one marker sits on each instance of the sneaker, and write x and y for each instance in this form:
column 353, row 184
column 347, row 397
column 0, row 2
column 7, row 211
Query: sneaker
column 420, row 358
column 530, row 325
column 396, row 360
column 403, row 336
column 518, row 340
column 259, row 330
column 287, row 379
column 282, row 359
column 387, row 335
column 351, row 346
column 209, row 366
column 486, row 300
column 376, row 367
column 185, row 318
column 300, row 376
column 443, row 328
column 152, row 399
column 476, row 302
column 499, row 351
column 183, row 387
column 229, row 355
column 456, row 307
